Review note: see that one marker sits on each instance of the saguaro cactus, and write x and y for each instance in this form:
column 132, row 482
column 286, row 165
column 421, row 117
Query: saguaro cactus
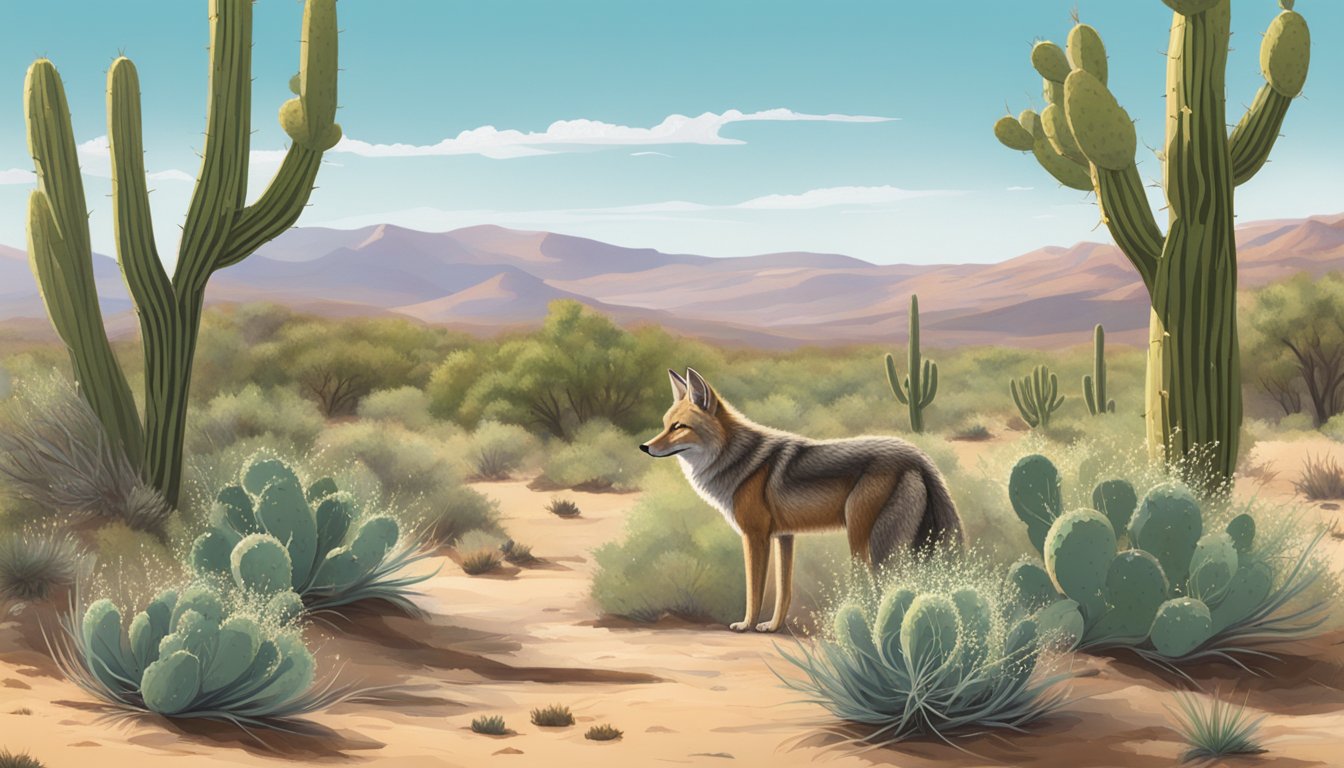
column 1086, row 140
column 221, row 228
column 920, row 385
column 1038, row 397
column 1094, row 384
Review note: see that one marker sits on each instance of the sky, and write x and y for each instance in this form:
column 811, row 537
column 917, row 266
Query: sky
column 719, row 127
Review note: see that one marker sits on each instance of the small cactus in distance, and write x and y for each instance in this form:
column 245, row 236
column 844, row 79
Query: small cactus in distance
column 920, row 384
column 1038, row 396
column 1094, row 384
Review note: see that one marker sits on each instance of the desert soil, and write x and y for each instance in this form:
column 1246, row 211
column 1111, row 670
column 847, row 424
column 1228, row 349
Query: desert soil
column 683, row 694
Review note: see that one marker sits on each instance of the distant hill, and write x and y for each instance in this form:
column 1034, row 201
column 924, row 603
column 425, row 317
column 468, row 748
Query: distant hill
column 486, row 278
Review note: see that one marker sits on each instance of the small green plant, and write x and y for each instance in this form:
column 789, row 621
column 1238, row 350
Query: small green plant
column 33, row 565
column 1178, row 591
column 517, row 553
column 18, row 760
column 1094, row 384
column 974, row 433
column 921, row 659
column 552, row 716
column 1216, row 728
column 1038, row 397
column 330, row 553
column 920, row 385
column 194, row 655
column 475, row 562
column 604, row 732
column 1322, row 479
column 491, row 725
column 563, row 508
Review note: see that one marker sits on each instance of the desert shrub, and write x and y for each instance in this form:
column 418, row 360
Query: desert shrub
column 1334, row 428
column 1296, row 423
column 458, row 510
column 778, row 411
column 552, row 716
column 35, row 564
column 972, row 433
column 479, row 551
column 516, row 552
column 195, row 654
column 678, row 557
column 274, row 533
column 55, row 455
column 408, row 406
column 1322, row 478
column 1188, row 586
column 604, row 732
column 18, row 760
column 565, row 508
column 600, row 457
column 493, row 725
column 279, row 416
column 928, row 649
column 1216, row 728
column 498, row 450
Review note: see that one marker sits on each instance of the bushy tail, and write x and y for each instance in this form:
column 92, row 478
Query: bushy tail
column 937, row 524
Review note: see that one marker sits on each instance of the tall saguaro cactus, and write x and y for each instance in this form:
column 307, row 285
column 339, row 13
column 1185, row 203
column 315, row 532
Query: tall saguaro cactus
column 1094, row 384
column 921, row 383
column 1086, row 140
column 221, row 228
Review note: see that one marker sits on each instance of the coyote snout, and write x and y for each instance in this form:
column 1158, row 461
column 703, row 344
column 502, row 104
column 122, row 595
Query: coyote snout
column 886, row 493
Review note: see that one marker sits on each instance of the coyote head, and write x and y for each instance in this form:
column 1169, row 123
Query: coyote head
column 690, row 426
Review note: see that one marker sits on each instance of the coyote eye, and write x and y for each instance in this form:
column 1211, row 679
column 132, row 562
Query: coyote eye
column 675, row 426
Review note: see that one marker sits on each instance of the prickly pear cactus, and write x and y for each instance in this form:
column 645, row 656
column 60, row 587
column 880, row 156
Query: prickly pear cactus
column 1180, row 626
column 1033, row 489
column 929, row 634
column 1031, row 586
column 1078, row 554
column 1168, row 524
column 1116, row 500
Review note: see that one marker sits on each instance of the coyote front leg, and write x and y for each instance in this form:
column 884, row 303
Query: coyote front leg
column 756, row 553
column 783, row 583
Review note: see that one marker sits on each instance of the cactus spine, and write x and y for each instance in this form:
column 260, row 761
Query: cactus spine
column 1086, row 141
column 1094, row 385
column 1038, row 397
column 221, row 229
column 920, row 385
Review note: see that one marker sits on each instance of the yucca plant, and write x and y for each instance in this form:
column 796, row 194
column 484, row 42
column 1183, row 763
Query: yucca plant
column 17, row 760
column 604, row 732
column 552, row 716
column 1216, row 728
column 492, row 725
column 1322, row 479
column 192, row 655
column 335, row 554
column 928, row 663
column 33, row 565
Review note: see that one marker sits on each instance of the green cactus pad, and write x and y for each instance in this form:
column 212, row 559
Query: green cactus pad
column 210, row 553
column 196, row 635
column 1049, row 60
column 1078, row 554
column 101, row 632
column 1031, row 585
column 1116, row 500
column 1057, row 131
column 201, row 598
column 338, row 568
column 1135, row 587
column 1012, row 135
column 1019, row 650
column 171, row 684
column 283, row 512
column 1100, row 125
column 1212, row 567
column 1246, row 594
column 295, row 673
column 1053, row 93
column 374, row 539
column 977, row 621
column 1087, row 52
column 1180, row 626
column 1061, row 624
column 887, row 625
column 930, row 633
column 1168, row 525
column 234, row 507
column 333, row 517
column 321, row 489
column 1190, row 7
column 1033, row 490
column 284, row 608
column 261, row 563
column 1242, row 530
column 262, row 472
column 1285, row 53
column 144, row 642
column 852, row 632
column 239, row 640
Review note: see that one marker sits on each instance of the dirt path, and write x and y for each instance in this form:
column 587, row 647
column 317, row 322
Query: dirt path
column 683, row 694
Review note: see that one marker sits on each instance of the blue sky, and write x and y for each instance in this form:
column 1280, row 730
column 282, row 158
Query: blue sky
column 904, row 168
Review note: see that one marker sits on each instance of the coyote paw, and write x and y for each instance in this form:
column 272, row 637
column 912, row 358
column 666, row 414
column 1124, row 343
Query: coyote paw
column 767, row 626
column 740, row 626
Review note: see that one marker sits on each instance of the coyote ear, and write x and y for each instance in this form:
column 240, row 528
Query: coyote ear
column 678, row 385
column 701, row 393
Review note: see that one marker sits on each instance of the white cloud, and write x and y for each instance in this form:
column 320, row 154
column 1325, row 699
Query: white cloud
column 829, row 197
column 649, row 154
column 95, row 159
column 1020, row 189
column 492, row 142
column 172, row 174
column 17, row 176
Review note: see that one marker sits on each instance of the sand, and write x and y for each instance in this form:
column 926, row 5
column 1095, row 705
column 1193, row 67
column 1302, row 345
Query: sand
column 684, row 694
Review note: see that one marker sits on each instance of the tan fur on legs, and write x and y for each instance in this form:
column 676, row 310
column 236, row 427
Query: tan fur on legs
column 862, row 506
column 756, row 553
column 783, row 583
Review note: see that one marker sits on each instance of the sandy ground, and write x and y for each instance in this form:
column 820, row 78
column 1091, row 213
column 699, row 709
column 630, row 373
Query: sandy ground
column 683, row 694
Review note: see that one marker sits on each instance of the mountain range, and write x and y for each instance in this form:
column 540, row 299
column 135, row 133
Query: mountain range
column 486, row 279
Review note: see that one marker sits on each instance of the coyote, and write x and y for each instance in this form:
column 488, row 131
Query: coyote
column 769, row 485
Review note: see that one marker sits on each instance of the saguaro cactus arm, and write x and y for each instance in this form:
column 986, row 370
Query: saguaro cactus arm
column 1285, row 54
column 62, row 259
